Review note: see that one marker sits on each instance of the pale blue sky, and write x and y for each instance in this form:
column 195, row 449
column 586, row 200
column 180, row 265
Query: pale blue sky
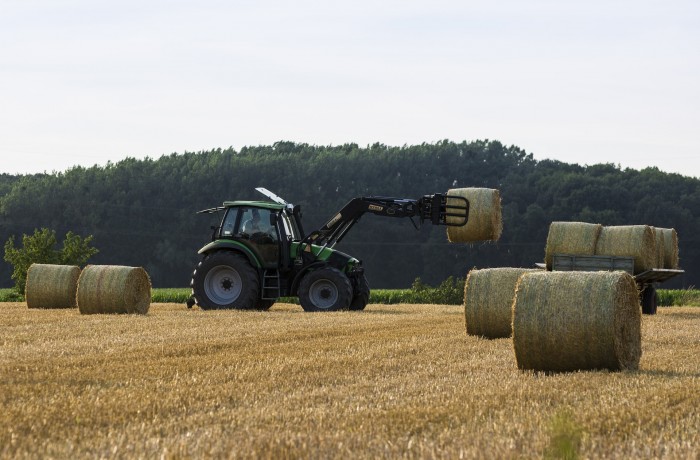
column 84, row 82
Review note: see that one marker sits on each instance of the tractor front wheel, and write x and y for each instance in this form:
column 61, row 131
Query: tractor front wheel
column 325, row 289
column 361, row 294
column 225, row 280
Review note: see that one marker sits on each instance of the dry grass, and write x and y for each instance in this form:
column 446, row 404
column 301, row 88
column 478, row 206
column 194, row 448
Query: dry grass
column 393, row 381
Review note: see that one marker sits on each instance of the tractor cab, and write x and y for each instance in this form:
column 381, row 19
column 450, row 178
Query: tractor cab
column 263, row 230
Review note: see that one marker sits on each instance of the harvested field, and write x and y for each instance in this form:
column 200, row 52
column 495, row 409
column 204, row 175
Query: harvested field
column 393, row 381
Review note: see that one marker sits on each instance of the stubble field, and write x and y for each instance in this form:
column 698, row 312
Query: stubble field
column 392, row 381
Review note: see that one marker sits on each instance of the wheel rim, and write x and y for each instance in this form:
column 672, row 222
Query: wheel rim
column 223, row 284
column 323, row 293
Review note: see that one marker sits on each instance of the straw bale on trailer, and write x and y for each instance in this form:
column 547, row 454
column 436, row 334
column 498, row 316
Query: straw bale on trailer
column 636, row 241
column 114, row 289
column 485, row 222
column 660, row 243
column 566, row 321
column 670, row 248
column 51, row 286
column 488, row 300
column 576, row 238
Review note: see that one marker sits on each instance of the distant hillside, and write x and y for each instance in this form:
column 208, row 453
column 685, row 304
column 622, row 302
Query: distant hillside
column 142, row 212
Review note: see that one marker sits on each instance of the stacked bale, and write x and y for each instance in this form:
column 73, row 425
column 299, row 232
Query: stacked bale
column 660, row 243
column 566, row 321
column 638, row 241
column 114, row 289
column 51, row 286
column 670, row 248
column 485, row 222
column 488, row 300
column 577, row 238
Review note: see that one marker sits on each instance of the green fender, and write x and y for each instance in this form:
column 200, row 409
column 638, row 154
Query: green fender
column 232, row 245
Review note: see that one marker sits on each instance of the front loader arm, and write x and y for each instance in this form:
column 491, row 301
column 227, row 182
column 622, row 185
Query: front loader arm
column 433, row 208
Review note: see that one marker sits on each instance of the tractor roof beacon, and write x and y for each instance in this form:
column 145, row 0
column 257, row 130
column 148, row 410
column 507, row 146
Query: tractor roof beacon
column 259, row 252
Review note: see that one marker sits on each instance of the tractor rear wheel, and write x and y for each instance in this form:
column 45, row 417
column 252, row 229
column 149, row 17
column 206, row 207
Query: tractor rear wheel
column 361, row 294
column 225, row 280
column 325, row 289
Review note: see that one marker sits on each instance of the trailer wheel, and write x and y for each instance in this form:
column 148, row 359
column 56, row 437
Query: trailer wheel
column 649, row 300
column 325, row 289
column 225, row 280
column 361, row 294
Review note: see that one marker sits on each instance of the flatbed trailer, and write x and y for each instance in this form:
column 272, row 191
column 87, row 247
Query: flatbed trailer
column 647, row 281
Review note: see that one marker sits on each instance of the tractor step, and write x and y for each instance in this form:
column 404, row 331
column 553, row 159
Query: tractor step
column 271, row 285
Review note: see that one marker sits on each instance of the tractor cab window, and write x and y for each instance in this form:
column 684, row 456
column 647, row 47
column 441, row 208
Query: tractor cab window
column 257, row 226
column 229, row 223
column 255, row 221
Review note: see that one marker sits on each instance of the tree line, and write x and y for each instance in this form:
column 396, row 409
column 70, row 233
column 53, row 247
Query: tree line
column 142, row 212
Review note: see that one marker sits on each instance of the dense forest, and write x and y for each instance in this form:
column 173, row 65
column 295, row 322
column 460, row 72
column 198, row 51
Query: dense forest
column 142, row 212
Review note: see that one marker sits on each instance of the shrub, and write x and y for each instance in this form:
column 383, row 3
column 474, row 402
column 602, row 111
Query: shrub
column 40, row 248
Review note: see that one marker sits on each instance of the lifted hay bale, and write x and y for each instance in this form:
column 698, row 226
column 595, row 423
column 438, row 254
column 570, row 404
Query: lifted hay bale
column 488, row 300
column 485, row 222
column 670, row 248
column 114, row 289
column 638, row 241
column 575, row 238
column 567, row 321
column 51, row 286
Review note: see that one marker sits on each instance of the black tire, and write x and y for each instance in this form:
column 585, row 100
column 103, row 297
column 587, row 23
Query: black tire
column 225, row 280
column 325, row 289
column 649, row 300
column 361, row 295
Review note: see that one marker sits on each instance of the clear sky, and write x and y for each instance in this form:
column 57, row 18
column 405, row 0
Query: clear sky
column 86, row 82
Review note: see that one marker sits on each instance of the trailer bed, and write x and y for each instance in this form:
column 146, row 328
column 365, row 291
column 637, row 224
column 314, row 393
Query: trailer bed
column 646, row 280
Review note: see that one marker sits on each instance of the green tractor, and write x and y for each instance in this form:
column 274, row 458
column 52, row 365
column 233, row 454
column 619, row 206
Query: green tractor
column 259, row 252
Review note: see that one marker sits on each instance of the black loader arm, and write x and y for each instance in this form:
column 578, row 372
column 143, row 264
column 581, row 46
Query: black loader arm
column 432, row 208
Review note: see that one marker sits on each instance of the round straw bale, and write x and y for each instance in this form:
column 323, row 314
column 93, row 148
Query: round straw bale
column 670, row 248
column 636, row 241
column 577, row 238
column 51, row 286
column 488, row 300
column 566, row 321
column 660, row 243
column 485, row 222
column 114, row 289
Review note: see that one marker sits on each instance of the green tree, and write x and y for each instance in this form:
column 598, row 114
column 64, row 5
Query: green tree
column 40, row 248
